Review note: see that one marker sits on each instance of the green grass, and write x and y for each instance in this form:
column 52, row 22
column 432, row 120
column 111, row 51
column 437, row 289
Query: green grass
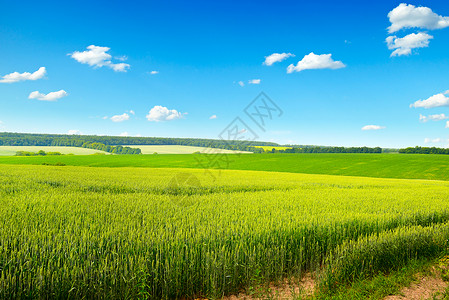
column 176, row 149
column 410, row 166
column 382, row 285
column 79, row 232
column 11, row 150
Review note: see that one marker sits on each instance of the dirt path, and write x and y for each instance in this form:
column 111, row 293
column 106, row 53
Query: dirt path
column 427, row 287
column 289, row 289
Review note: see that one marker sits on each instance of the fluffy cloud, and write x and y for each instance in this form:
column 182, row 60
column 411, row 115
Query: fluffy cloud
column 53, row 96
column 434, row 101
column 16, row 76
column 437, row 117
column 373, row 127
column 410, row 16
column 404, row 46
column 254, row 81
column 154, row 72
column 97, row 57
column 132, row 112
column 74, row 132
column 161, row 113
column 313, row 61
column 120, row 118
column 428, row 140
column 124, row 134
column 213, row 117
column 276, row 57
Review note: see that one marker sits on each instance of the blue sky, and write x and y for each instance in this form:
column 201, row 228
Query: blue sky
column 203, row 49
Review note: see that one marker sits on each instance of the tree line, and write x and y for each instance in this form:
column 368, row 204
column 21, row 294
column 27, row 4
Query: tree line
column 102, row 142
column 424, row 150
column 39, row 153
column 317, row 149
column 113, row 144
column 111, row 149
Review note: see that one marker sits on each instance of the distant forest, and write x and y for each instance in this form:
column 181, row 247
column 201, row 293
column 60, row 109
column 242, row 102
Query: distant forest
column 323, row 149
column 103, row 142
column 424, row 150
column 114, row 144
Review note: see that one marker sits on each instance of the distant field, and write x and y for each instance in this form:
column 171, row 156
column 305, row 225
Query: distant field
column 176, row 149
column 271, row 147
column 11, row 150
column 411, row 166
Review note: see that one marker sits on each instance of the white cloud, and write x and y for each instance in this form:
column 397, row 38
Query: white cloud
column 241, row 83
column 447, row 124
column 161, row 113
column 121, row 67
column 121, row 58
column 254, row 81
column 373, row 127
column 105, row 118
column 120, row 118
column 132, row 112
column 138, row 135
column 434, row 101
column 16, row 76
column 313, row 61
column 213, row 117
column 124, row 134
column 154, row 72
column 428, row 140
column 276, row 57
column 404, row 46
column 438, row 117
column 410, row 16
column 74, row 132
column 53, row 96
column 97, row 57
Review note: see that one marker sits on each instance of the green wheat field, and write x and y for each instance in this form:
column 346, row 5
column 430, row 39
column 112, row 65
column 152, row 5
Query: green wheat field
column 121, row 227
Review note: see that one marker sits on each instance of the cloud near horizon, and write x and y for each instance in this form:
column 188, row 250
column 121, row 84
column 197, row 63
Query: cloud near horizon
column 16, row 76
column 74, row 132
column 313, row 61
column 97, row 57
column 161, row 113
column 53, row 96
column 429, row 140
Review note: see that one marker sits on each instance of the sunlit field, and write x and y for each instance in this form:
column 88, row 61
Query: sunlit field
column 411, row 166
column 178, row 149
column 11, row 150
column 134, row 232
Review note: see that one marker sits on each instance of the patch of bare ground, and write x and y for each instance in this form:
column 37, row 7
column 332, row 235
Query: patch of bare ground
column 426, row 287
column 288, row 289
